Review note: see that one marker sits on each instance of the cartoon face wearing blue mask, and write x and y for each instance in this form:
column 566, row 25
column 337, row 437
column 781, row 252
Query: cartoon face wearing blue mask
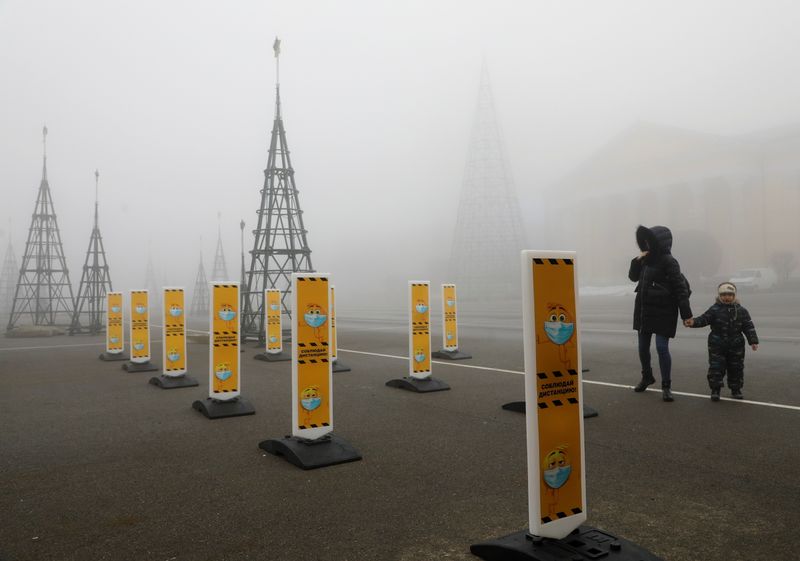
column 173, row 355
column 114, row 340
column 314, row 316
column 556, row 468
column 274, row 306
column 449, row 335
column 138, row 345
column 226, row 312
column 559, row 327
column 115, row 309
column 419, row 354
column 450, row 302
column 310, row 399
column 421, row 307
column 223, row 371
column 175, row 311
column 273, row 339
column 140, row 308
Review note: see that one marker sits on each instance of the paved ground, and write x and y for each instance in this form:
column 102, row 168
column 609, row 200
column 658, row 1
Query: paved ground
column 95, row 464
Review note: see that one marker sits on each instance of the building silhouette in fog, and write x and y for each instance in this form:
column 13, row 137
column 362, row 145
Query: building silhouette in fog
column 730, row 201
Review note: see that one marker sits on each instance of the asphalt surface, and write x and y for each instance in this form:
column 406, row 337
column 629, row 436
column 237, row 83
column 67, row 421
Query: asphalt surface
column 96, row 464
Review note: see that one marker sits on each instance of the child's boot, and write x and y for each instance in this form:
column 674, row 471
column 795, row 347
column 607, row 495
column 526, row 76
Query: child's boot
column 666, row 392
column 714, row 394
column 647, row 379
column 736, row 393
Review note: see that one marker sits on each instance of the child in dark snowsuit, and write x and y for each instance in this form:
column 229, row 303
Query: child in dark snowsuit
column 728, row 320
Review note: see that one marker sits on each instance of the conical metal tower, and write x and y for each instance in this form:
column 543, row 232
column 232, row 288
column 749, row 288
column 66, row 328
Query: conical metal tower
column 43, row 295
column 488, row 238
column 200, row 295
column 220, row 270
column 280, row 246
column 8, row 278
column 90, row 304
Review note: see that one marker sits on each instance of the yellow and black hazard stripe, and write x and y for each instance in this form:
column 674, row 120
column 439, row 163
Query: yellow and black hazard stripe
column 419, row 284
column 311, row 279
column 173, row 290
column 312, row 361
column 226, row 391
column 225, row 285
column 560, row 515
column 313, row 426
column 539, row 261
column 312, row 344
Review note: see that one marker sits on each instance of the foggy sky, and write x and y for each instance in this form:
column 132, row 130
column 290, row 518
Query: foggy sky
column 173, row 103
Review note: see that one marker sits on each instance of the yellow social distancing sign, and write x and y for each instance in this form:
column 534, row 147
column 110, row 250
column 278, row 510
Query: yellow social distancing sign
column 333, row 323
column 224, row 368
column 419, row 329
column 449, row 317
column 140, row 327
column 553, row 394
column 115, row 340
column 272, row 312
column 174, row 343
column 312, row 395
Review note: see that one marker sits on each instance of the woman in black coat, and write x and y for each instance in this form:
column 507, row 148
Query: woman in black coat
column 661, row 293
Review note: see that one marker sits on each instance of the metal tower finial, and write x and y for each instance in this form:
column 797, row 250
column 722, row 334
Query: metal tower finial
column 96, row 196
column 44, row 152
column 276, row 46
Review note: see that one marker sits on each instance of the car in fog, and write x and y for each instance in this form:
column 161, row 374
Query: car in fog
column 755, row 279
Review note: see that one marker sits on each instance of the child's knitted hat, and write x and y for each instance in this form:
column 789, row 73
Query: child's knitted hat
column 727, row 288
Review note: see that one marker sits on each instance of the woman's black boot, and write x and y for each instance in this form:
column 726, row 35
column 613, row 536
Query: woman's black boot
column 666, row 392
column 647, row 379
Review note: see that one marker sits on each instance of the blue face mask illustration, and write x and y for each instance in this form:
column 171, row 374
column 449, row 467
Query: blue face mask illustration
column 419, row 357
column 556, row 477
column 421, row 308
column 273, row 339
column 114, row 339
column 451, row 303
column 449, row 336
column 226, row 315
column 175, row 311
column 274, row 307
column 310, row 403
column 173, row 357
column 138, row 346
column 140, row 309
column 115, row 309
column 558, row 331
column 223, row 374
column 315, row 320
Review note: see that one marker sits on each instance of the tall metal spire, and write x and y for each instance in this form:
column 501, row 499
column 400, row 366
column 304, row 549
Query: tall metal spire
column 200, row 294
column 44, row 293
column 488, row 238
column 90, row 304
column 220, row 270
column 8, row 278
column 280, row 246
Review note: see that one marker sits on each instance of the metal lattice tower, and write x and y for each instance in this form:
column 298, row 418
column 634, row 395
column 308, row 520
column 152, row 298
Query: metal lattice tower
column 200, row 295
column 220, row 270
column 95, row 281
column 44, row 292
column 8, row 278
column 280, row 246
column 489, row 236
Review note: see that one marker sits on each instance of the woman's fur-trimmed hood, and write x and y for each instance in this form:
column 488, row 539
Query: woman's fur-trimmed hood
column 657, row 239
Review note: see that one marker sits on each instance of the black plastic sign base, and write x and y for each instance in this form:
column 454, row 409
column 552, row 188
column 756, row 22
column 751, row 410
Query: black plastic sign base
column 450, row 355
column 339, row 366
column 519, row 407
column 426, row 385
column 584, row 544
column 140, row 367
column 110, row 357
column 172, row 382
column 325, row 451
column 276, row 357
column 216, row 409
